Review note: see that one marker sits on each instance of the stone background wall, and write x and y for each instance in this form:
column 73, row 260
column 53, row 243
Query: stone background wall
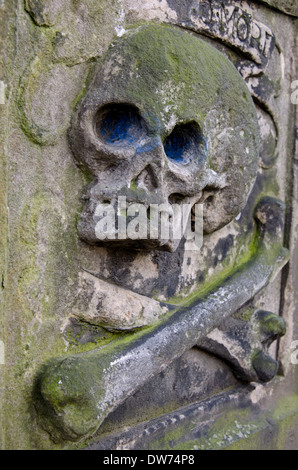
column 48, row 52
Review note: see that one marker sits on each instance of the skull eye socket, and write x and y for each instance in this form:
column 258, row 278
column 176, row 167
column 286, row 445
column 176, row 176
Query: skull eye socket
column 120, row 124
column 186, row 144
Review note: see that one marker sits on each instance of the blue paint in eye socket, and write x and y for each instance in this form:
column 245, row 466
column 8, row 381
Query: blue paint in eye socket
column 185, row 144
column 176, row 146
column 120, row 125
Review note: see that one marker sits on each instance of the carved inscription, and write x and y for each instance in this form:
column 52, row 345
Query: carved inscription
column 234, row 26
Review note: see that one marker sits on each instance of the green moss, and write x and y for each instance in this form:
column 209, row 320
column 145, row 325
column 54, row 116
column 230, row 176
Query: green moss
column 227, row 269
column 28, row 86
column 84, row 88
column 176, row 67
column 133, row 185
column 245, row 314
column 286, row 406
column 238, row 429
column 273, row 325
column 232, row 427
column 37, row 80
column 100, row 338
column 279, row 429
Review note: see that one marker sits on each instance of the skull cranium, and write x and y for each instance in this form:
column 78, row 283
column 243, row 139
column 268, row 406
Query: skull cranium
column 166, row 119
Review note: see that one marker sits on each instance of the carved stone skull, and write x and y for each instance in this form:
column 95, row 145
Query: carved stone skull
column 166, row 119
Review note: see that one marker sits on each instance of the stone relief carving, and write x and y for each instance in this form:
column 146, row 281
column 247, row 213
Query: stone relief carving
column 148, row 342
column 233, row 25
column 158, row 126
column 80, row 391
column 166, row 119
column 162, row 153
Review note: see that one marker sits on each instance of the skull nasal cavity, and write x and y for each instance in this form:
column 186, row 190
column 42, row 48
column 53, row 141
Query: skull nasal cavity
column 186, row 144
column 147, row 179
column 120, row 124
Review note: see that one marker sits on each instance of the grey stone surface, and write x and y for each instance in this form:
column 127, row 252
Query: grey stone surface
column 74, row 25
column 189, row 379
column 114, row 308
column 45, row 105
column 202, row 100
column 227, row 421
column 103, row 379
column 231, row 24
column 52, row 53
column 287, row 6
column 243, row 340
column 179, row 427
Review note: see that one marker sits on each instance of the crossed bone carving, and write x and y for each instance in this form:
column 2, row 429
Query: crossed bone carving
column 138, row 146
column 78, row 392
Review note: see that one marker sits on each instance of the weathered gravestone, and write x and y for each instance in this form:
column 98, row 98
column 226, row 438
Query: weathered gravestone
column 148, row 225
